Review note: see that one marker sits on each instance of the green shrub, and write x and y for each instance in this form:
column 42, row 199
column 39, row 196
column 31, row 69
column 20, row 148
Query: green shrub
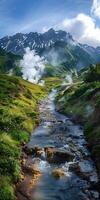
column 8, row 147
column 20, row 135
column 93, row 73
column 6, row 189
column 10, row 167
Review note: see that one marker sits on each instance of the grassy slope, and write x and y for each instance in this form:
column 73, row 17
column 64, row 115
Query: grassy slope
column 18, row 117
column 9, row 61
column 52, row 82
column 82, row 101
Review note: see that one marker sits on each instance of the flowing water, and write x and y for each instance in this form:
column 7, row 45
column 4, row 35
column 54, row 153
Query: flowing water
column 60, row 154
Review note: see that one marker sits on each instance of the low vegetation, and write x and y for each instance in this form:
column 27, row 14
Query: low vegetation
column 9, row 63
column 19, row 113
column 82, row 101
column 52, row 82
column 18, row 116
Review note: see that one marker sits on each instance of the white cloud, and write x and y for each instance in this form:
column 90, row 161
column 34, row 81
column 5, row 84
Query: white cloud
column 83, row 29
column 95, row 10
column 45, row 29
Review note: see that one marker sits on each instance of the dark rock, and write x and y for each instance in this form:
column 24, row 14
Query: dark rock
column 58, row 156
column 95, row 194
column 85, row 170
column 27, row 150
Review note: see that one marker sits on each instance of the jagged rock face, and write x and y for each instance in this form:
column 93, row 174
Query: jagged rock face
column 34, row 40
column 61, row 43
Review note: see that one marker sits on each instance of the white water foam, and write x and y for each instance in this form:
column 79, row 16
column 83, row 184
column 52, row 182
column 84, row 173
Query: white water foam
column 43, row 166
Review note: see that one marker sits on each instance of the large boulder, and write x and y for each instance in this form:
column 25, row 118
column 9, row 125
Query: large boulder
column 58, row 156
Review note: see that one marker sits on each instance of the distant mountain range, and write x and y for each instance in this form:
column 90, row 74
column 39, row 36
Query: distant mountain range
column 58, row 47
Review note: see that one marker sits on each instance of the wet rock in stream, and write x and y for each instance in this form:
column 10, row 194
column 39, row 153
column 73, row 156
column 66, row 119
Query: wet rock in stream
column 58, row 173
column 85, row 170
column 58, row 156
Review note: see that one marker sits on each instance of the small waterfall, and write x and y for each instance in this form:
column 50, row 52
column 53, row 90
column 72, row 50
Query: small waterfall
column 43, row 166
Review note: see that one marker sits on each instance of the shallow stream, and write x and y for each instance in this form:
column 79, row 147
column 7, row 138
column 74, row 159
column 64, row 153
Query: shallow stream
column 61, row 156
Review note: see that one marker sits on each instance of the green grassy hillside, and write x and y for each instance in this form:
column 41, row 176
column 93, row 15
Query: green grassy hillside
column 18, row 116
column 52, row 82
column 82, row 101
column 9, row 63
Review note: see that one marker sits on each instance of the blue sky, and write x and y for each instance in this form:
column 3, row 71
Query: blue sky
column 40, row 15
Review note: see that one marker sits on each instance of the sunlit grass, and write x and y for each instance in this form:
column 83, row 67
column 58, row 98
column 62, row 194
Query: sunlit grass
column 18, row 116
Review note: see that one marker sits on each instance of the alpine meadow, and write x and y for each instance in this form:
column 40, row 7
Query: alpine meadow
column 50, row 100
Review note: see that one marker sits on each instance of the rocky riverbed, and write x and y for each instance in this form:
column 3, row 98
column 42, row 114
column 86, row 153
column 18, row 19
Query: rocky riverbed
column 56, row 162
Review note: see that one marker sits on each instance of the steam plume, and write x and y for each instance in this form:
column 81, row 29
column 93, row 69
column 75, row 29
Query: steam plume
column 55, row 58
column 32, row 66
column 69, row 78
